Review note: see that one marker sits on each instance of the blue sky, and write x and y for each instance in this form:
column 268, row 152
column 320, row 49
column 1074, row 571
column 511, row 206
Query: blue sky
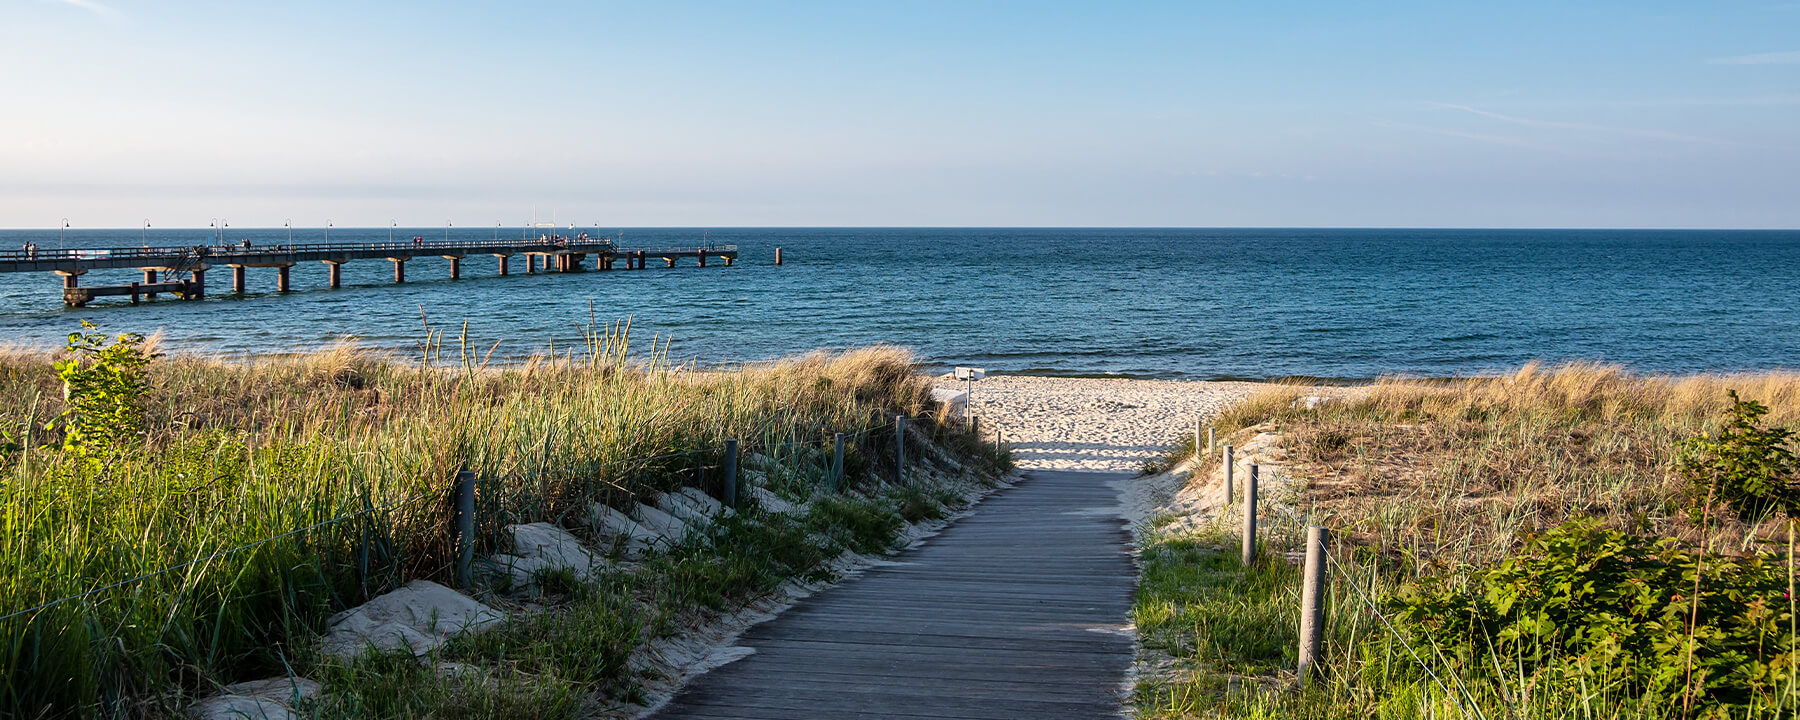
column 1522, row 114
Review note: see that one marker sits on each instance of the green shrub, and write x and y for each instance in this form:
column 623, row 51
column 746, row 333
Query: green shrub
column 1745, row 465
column 104, row 385
column 1586, row 605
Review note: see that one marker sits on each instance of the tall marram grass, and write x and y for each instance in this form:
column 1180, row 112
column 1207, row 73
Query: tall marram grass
column 239, row 450
column 1442, row 477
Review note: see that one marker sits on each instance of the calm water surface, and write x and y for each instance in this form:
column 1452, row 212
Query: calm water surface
column 1158, row 303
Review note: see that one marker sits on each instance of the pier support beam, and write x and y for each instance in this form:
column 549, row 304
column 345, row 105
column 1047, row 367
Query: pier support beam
column 502, row 263
column 69, row 278
column 668, row 262
column 530, row 264
column 399, row 269
column 281, row 278
column 777, row 256
column 334, row 272
column 730, row 260
column 237, row 279
column 150, row 279
column 199, row 284
column 455, row 266
column 702, row 255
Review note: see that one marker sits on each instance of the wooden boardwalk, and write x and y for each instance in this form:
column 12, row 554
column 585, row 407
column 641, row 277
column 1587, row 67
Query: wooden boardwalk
column 1016, row 611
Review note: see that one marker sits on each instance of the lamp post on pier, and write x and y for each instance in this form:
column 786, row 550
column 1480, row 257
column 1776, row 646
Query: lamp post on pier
column 391, row 225
column 59, row 233
column 289, row 224
column 328, row 232
column 144, row 232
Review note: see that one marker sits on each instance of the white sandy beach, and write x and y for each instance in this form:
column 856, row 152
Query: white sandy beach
column 1095, row 423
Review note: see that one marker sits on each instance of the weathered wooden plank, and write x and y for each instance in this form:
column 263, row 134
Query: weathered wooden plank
column 1013, row 612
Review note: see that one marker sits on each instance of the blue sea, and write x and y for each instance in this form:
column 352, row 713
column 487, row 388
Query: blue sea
column 1182, row 303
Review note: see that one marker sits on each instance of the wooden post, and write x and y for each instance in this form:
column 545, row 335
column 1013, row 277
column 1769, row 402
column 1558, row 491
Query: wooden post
column 777, row 256
column 731, row 462
column 1209, row 441
column 463, row 529
column 150, row 279
column 237, row 279
column 702, row 254
column 999, row 443
column 1249, row 550
column 455, row 268
column 198, row 282
column 837, row 462
column 1312, row 601
column 975, row 425
column 900, row 449
column 399, row 270
column 334, row 274
column 134, row 293
column 1197, row 438
column 281, row 278
column 1230, row 459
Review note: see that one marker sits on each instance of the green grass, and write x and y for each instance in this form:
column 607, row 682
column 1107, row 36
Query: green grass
column 237, row 451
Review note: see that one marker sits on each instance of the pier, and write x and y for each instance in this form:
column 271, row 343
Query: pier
column 181, row 271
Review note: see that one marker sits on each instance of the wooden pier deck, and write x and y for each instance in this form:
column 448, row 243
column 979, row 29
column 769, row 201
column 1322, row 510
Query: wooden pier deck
column 185, row 266
column 1017, row 611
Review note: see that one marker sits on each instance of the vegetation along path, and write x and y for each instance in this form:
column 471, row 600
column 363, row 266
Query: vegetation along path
column 1018, row 610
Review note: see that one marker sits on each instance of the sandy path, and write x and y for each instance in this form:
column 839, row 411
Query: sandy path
column 1095, row 424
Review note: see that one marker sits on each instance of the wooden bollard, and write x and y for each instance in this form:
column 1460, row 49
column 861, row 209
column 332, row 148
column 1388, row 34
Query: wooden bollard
column 731, row 462
column 1197, row 437
column 999, row 443
column 1209, row 441
column 1229, row 469
column 1312, row 601
column 1249, row 550
column 837, row 462
column 463, row 529
column 975, row 425
column 900, row 449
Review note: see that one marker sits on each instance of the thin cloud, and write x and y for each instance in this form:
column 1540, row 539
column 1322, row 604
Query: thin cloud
column 1774, row 58
column 1586, row 127
column 103, row 11
column 1477, row 137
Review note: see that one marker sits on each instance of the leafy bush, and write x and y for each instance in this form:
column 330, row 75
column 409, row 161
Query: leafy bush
column 1583, row 604
column 1749, row 467
column 104, row 385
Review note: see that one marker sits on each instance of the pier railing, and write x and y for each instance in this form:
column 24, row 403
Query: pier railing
column 240, row 250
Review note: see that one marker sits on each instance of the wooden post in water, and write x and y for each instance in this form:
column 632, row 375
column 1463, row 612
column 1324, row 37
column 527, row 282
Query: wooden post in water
column 1229, row 460
column 463, row 529
column 149, row 279
column 198, row 283
column 1249, row 550
column 334, row 274
column 134, row 293
column 1312, row 601
column 900, row 449
column 281, row 278
column 455, row 268
column 777, row 256
column 837, row 462
column 503, row 259
column 399, row 269
column 237, row 279
column 731, row 479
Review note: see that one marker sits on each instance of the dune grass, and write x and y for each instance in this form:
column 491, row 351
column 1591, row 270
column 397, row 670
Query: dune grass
column 242, row 449
column 1442, row 479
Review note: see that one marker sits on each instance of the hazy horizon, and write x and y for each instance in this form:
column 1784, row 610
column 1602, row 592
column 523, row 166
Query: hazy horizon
column 1297, row 115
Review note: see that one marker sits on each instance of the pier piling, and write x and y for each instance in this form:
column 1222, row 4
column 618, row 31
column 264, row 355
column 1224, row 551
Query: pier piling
column 502, row 263
column 237, row 279
column 399, row 269
column 455, row 266
column 150, row 279
column 334, row 272
column 281, row 278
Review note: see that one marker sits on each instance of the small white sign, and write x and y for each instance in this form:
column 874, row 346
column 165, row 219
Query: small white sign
column 970, row 373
